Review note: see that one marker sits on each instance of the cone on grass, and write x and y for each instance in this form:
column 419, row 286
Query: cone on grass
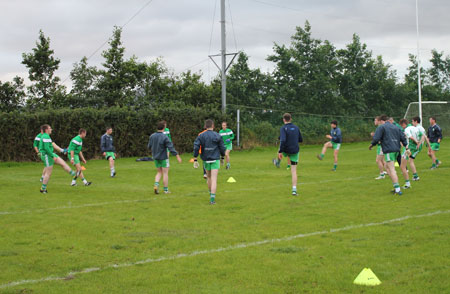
column 231, row 180
column 396, row 164
column 83, row 168
column 367, row 278
column 191, row 160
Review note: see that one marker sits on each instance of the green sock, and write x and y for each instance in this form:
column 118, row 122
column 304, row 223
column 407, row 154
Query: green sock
column 288, row 166
column 415, row 175
column 44, row 187
column 335, row 166
column 212, row 197
column 166, row 189
column 322, row 155
column 433, row 165
column 437, row 161
column 72, row 173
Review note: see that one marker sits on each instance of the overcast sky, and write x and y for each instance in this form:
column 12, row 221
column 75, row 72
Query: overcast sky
column 180, row 31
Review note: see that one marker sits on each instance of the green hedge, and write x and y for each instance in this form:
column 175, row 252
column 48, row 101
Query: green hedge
column 131, row 129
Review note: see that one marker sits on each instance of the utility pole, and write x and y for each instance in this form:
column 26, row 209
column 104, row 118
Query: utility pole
column 224, row 56
column 419, row 82
column 223, row 53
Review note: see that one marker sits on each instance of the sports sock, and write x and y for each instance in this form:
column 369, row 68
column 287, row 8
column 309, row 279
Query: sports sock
column 72, row 173
column 42, row 178
column 322, row 155
column 396, row 187
column 437, row 161
column 156, row 184
column 335, row 166
column 288, row 166
column 408, row 183
column 415, row 175
column 433, row 165
column 382, row 174
column 294, row 188
column 212, row 197
column 84, row 180
column 166, row 189
column 44, row 187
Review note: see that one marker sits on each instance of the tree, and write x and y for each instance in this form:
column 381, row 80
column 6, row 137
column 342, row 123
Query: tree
column 41, row 66
column 12, row 95
column 84, row 92
column 439, row 73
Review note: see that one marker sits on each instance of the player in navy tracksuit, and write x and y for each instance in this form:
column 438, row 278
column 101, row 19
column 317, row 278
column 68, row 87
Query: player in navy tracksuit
column 335, row 137
column 290, row 136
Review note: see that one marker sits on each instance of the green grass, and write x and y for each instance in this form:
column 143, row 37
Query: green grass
column 120, row 221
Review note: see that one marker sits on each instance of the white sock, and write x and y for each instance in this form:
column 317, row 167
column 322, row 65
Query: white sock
column 84, row 181
column 294, row 188
column 74, row 182
column 397, row 189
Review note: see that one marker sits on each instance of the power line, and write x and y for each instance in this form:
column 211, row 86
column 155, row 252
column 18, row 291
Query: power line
column 121, row 27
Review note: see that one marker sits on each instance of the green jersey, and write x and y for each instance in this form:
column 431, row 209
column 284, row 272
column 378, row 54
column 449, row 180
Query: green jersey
column 227, row 136
column 46, row 145
column 75, row 145
column 167, row 133
column 37, row 140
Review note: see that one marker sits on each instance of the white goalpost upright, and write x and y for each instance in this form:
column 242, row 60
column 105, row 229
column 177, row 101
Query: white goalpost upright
column 438, row 109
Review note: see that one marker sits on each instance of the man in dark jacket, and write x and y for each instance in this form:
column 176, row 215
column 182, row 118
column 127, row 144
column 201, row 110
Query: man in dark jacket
column 213, row 149
column 290, row 136
column 434, row 138
column 108, row 150
column 159, row 143
column 335, row 142
column 390, row 137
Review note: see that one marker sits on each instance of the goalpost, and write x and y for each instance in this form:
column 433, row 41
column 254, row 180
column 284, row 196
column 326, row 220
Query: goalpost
column 438, row 109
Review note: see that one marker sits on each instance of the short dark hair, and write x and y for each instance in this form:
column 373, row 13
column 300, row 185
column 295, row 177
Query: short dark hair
column 161, row 125
column 224, row 122
column 433, row 118
column 416, row 119
column 108, row 128
column 44, row 127
column 403, row 121
column 384, row 117
column 287, row 117
column 81, row 131
column 209, row 123
column 378, row 117
column 334, row 122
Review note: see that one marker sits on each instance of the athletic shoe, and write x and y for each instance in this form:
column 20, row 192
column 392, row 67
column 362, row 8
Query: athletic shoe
column 212, row 202
column 274, row 161
column 294, row 193
column 87, row 183
column 433, row 167
column 319, row 157
column 406, row 187
column 380, row 177
column 228, row 166
column 385, row 173
column 43, row 191
column 155, row 189
column 205, row 176
column 399, row 193
column 113, row 174
column 333, row 169
column 438, row 164
column 73, row 184
column 167, row 192
column 278, row 163
column 416, row 178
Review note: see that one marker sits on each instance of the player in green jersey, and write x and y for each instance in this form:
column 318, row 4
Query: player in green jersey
column 76, row 144
column 227, row 137
column 420, row 137
column 36, row 142
column 49, row 158
column 380, row 156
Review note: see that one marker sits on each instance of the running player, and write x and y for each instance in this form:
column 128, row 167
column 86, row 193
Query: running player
column 407, row 131
column 159, row 143
column 390, row 138
column 36, row 142
column 290, row 136
column 434, row 138
column 420, row 137
column 75, row 146
column 213, row 149
column 335, row 143
column 380, row 157
column 48, row 157
column 227, row 137
column 109, row 152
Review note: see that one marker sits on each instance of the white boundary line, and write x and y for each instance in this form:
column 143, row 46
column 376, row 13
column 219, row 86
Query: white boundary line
column 69, row 206
column 221, row 249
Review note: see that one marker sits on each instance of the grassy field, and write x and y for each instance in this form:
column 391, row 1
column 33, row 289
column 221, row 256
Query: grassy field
column 116, row 236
